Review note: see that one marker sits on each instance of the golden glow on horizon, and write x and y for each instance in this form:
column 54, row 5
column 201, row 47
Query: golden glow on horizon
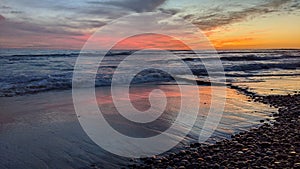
column 260, row 33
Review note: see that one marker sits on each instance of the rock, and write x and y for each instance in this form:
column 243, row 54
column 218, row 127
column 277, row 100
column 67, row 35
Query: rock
column 193, row 166
column 148, row 161
column 200, row 159
column 194, row 154
column 184, row 162
column 265, row 144
column 297, row 165
column 158, row 161
column 182, row 152
column 269, row 153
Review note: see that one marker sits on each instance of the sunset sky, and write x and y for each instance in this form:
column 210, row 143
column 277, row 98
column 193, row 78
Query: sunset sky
column 228, row 24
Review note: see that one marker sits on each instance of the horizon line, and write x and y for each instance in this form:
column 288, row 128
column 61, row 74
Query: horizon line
column 33, row 48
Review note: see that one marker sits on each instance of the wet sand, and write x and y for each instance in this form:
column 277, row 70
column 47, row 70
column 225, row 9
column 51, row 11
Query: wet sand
column 42, row 130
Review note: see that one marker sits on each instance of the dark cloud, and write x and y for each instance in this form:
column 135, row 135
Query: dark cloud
column 5, row 7
column 133, row 5
column 81, row 23
column 107, row 12
column 18, row 28
column 16, row 12
column 169, row 11
column 217, row 17
column 92, row 23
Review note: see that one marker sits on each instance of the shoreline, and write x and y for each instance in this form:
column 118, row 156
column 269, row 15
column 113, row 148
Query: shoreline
column 271, row 145
column 55, row 120
column 54, row 117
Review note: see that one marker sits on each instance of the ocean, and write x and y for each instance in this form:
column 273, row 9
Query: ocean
column 32, row 71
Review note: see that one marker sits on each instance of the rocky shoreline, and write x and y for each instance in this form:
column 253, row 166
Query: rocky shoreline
column 272, row 145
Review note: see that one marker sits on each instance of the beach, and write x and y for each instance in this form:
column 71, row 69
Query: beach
column 271, row 145
column 39, row 127
column 149, row 84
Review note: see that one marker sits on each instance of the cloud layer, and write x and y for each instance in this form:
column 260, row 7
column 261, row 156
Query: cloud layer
column 132, row 5
column 218, row 16
column 75, row 20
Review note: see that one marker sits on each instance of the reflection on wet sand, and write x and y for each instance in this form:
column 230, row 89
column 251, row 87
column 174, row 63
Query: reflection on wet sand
column 47, row 123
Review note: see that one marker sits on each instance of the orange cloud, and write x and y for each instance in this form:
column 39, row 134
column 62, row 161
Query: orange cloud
column 151, row 41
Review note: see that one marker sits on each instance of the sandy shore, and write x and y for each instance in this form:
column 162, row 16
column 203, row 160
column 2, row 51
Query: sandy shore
column 42, row 130
column 272, row 145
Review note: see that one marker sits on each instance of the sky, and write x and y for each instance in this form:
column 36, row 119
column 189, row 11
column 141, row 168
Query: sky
column 228, row 24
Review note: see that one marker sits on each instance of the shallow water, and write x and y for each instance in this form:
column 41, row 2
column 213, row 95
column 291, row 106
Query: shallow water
column 275, row 85
column 42, row 130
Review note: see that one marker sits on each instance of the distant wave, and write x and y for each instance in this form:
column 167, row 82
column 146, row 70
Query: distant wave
column 110, row 53
column 255, row 57
column 263, row 66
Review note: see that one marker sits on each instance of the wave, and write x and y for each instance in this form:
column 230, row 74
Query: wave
column 263, row 66
column 76, row 54
column 256, row 58
column 20, row 85
column 32, row 73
